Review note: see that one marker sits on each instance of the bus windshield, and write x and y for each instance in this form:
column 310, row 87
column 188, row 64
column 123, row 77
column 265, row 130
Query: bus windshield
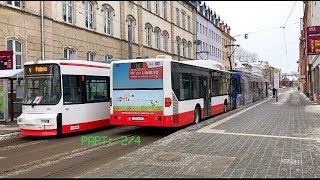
column 42, row 84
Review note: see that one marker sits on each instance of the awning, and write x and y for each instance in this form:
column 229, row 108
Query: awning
column 12, row 73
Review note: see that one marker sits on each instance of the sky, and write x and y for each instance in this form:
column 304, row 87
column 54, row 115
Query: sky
column 262, row 20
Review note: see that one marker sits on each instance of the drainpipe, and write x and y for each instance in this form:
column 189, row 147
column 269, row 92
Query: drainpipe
column 42, row 33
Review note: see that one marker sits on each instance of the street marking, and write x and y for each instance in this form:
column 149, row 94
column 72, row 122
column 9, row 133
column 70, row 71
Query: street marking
column 209, row 127
column 219, row 131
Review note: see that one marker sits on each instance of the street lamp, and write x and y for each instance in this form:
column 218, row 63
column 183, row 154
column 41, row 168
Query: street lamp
column 229, row 57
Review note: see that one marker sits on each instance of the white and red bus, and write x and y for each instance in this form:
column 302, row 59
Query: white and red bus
column 64, row 96
column 162, row 92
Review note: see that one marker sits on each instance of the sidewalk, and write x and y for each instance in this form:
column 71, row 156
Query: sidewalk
column 9, row 127
column 264, row 139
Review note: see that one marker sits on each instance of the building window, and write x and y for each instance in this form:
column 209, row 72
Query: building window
column 14, row 3
column 178, row 40
column 148, row 35
column 178, row 16
column 200, row 28
column 89, row 14
column 157, row 37
column 156, row 6
column 69, row 53
column 189, row 24
column 165, row 40
column 131, row 27
column 90, row 56
column 184, row 44
column 189, row 49
column 67, row 11
column 16, row 47
column 108, row 19
column 183, row 14
column 108, row 56
column 148, row 5
column 165, row 9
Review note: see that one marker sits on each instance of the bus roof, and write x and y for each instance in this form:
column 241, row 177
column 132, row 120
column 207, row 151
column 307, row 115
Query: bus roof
column 67, row 61
column 209, row 64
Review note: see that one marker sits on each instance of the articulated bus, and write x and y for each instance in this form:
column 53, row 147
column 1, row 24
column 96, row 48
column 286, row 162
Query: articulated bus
column 247, row 88
column 64, row 96
column 162, row 92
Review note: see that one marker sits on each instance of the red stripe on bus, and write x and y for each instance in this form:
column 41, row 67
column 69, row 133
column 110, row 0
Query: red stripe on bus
column 85, row 65
column 85, row 126
column 217, row 109
column 66, row 128
column 31, row 132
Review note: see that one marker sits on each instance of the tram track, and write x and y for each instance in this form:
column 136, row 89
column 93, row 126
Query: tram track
column 28, row 168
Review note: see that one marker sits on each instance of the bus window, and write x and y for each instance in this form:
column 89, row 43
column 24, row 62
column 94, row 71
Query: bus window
column 97, row 89
column 196, row 87
column 185, row 86
column 73, row 89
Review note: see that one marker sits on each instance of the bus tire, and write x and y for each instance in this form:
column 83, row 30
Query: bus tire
column 197, row 115
column 238, row 101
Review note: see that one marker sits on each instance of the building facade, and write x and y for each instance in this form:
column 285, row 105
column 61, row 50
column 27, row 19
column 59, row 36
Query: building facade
column 227, row 50
column 309, row 64
column 209, row 36
column 92, row 30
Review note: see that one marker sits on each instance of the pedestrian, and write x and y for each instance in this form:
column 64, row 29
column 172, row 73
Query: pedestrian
column 274, row 91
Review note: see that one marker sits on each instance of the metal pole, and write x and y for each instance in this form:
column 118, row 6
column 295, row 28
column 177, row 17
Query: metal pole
column 11, row 99
column 229, row 57
column 129, row 41
column 42, row 33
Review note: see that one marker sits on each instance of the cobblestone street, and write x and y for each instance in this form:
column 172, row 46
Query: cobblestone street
column 266, row 139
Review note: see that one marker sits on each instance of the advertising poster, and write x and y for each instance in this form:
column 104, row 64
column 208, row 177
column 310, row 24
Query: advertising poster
column 313, row 40
column 138, row 88
column 6, row 58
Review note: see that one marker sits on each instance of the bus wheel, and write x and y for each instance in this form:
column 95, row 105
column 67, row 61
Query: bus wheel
column 238, row 102
column 197, row 116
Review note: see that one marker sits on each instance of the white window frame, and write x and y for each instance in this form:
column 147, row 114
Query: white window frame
column 148, row 5
column 184, row 48
column 156, row 7
column 69, row 53
column 165, row 40
column 16, row 53
column 108, row 21
column 132, row 23
column 157, row 38
column 108, row 56
column 178, row 16
column 89, row 14
column 68, row 11
column 183, row 16
column 165, row 15
column 189, row 49
column 148, row 35
column 13, row 4
column 91, row 56
column 189, row 23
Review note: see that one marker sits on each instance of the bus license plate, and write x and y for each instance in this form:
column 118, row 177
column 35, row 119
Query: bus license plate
column 137, row 118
